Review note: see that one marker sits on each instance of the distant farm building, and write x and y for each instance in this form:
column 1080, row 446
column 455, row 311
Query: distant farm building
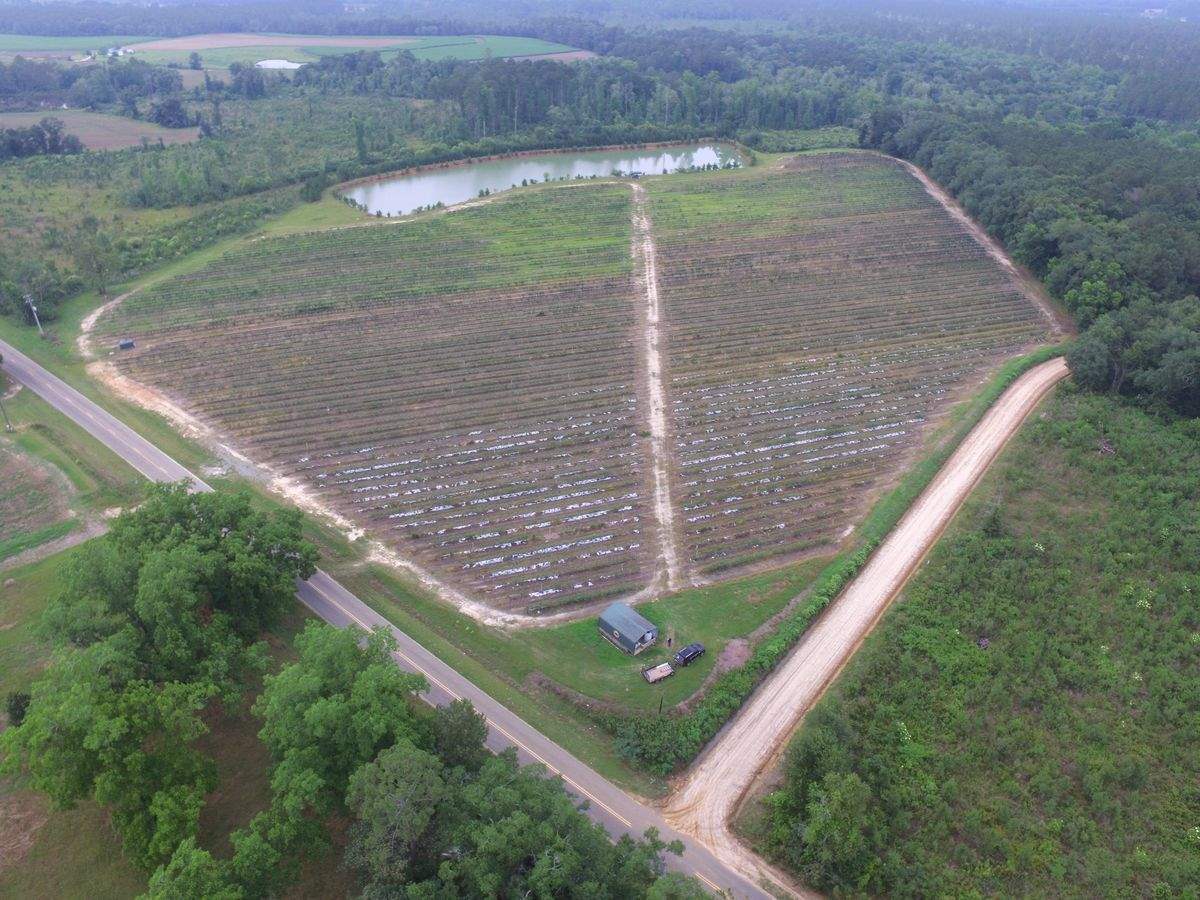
column 627, row 629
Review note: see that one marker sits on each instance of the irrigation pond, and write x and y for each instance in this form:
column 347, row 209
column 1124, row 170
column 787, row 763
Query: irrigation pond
column 402, row 194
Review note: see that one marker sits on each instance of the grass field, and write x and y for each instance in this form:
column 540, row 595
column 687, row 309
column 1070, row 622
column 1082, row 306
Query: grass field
column 33, row 45
column 474, row 395
column 53, row 477
column 99, row 131
column 220, row 50
column 34, row 504
column 1024, row 721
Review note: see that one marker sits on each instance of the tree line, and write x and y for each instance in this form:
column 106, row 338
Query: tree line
column 1106, row 218
column 42, row 138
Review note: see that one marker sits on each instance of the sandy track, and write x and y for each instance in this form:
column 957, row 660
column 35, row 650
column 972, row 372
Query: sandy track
column 716, row 783
column 646, row 258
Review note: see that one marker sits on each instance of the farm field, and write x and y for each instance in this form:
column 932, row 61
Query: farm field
column 470, row 387
column 99, row 131
column 817, row 319
column 219, row 50
column 1023, row 722
column 464, row 384
column 34, row 46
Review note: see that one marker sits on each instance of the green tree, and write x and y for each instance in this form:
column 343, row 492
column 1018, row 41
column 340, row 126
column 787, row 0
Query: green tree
column 92, row 730
column 96, row 257
column 337, row 706
column 399, row 801
column 459, row 734
column 838, row 847
column 192, row 872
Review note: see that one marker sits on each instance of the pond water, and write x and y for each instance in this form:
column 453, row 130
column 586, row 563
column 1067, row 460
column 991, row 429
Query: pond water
column 277, row 64
column 402, row 194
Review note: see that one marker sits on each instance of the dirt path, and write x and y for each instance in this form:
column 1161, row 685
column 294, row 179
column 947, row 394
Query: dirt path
column 646, row 260
column 703, row 805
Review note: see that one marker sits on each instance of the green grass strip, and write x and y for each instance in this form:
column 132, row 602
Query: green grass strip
column 22, row 542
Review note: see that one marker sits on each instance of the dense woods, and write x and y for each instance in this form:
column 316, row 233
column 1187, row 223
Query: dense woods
column 46, row 137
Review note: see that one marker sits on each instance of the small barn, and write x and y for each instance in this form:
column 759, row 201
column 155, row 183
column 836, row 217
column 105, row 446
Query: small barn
column 627, row 629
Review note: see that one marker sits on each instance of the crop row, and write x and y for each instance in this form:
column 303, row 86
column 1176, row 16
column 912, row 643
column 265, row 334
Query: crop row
column 817, row 320
column 469, row 394
column 468, row 386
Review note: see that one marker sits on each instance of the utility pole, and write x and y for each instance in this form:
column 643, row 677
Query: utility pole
column 33, row 309
column 8, row 426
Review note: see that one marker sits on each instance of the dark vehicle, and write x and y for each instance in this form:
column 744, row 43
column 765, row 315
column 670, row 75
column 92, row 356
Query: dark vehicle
column 125, row 344
column 689, row 654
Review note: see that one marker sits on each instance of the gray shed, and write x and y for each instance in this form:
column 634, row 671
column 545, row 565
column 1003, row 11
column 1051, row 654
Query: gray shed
column 627, row 629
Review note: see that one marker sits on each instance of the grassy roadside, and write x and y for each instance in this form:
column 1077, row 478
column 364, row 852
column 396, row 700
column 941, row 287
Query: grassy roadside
column 100, row 477
column 87, row 479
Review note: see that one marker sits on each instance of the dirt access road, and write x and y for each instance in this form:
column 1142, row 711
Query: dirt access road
column 715, row 785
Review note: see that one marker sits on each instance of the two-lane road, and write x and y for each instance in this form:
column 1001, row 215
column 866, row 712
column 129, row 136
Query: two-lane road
column 607, row 804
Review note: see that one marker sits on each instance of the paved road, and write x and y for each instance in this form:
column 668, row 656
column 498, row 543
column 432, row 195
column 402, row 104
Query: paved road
column 723, row 773
column 609, row 805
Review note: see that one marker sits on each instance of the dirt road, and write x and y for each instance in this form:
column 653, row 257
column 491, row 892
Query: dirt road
column 703, row 805
column 646, row 261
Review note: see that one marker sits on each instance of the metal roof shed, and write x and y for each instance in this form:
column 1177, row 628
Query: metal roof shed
column 627, row 629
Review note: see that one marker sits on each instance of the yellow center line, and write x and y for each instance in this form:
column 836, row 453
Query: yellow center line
column 709, row 882
column 593, row 799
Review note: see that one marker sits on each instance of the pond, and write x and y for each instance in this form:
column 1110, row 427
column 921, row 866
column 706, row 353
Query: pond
column 277, row 64
column 402, row 194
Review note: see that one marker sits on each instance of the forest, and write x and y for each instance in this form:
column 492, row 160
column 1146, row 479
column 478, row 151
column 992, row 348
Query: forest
column 1068, row 140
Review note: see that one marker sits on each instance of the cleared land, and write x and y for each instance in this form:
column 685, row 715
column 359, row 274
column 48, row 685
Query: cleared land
column 473, row 388
column 98, row 131
column 817, row 319
column 223, row 49
column 462, row 384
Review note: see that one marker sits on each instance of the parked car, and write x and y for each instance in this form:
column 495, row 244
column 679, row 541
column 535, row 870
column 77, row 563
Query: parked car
column 658, row 673
column 689, row 654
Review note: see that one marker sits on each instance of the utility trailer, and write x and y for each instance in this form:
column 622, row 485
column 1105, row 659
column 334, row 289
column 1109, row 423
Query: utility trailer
column 658, row 673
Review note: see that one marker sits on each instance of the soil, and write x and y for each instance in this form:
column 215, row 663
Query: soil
column 646, row 267
column 22, row 816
